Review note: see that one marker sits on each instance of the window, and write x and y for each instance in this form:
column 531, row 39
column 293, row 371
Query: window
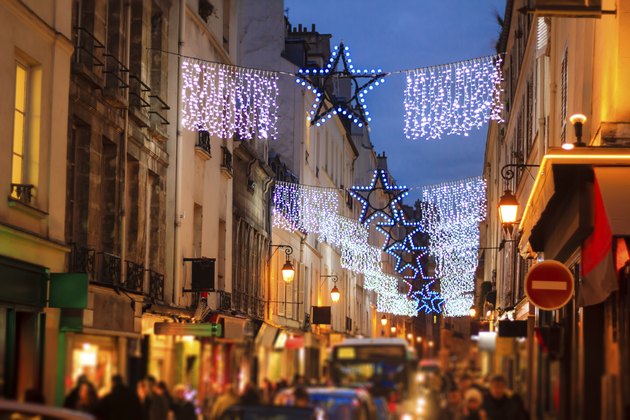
column 26, row 117
column 19, row 123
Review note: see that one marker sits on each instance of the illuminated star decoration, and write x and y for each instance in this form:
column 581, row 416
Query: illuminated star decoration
column 429, row 301
column 399, row 234
column 368, row 196
column 321, row 82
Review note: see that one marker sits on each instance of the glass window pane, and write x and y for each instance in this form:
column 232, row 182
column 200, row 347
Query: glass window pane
column 20, row 88
column 16, row 176
column 18, row 133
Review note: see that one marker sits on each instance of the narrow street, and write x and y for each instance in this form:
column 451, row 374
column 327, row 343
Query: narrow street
column 279, row 209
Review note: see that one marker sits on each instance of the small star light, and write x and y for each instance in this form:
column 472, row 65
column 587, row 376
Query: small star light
column 399, row 233
column 322, row 81
column 370, row 197
column 428, row 301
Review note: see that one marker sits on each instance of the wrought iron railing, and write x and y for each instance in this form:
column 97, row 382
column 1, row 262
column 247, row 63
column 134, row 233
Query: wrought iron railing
column 226, row 159
column 108, row 269
column 158, row 108
column 156, row 286
column 203, row 141
column 134, row 278
column 225, row 300
column 89, row 52
column 23, row 192
column 83, row 260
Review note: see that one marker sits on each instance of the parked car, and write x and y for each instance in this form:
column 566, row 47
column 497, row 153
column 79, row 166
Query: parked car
column 14, row 410
column 337, row 403
column 267, row 412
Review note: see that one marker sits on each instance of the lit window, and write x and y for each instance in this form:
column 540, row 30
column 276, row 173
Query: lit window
column 19, row 123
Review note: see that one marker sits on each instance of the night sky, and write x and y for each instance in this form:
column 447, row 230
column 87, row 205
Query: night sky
column 406, row 34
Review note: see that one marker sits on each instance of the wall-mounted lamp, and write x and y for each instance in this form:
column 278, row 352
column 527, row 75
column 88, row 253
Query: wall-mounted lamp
column 577, row 120
column 418, row 339
column 383, row 321
column 288, row 271
column 335, row 294
column 472, row 311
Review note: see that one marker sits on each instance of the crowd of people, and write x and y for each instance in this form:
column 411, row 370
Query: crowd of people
column 466, row 399
column 151, row 400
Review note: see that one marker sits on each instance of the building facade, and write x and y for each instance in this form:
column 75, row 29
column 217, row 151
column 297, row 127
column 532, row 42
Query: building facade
column 560, row 62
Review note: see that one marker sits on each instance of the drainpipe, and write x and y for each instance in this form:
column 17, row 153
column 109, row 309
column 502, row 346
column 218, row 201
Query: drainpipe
column 123, row 155
column 177, row 254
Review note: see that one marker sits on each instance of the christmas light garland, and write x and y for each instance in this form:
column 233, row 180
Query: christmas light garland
column 451, row 213
column 228, row 100
column 452, row 98
column 301, row 207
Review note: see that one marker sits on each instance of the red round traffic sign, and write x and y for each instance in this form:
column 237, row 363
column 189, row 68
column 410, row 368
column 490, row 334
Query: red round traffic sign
column 549, row 285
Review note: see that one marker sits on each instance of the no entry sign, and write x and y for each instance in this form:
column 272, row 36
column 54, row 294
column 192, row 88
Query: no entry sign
column 549, row 285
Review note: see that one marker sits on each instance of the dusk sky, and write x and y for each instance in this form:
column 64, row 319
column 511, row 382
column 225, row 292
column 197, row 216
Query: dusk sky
column 406, row 34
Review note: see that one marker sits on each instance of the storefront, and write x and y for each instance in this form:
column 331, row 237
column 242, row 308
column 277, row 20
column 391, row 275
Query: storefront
column 578, row 214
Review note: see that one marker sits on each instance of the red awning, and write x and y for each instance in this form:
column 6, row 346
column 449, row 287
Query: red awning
column 611, row 214
column 294, row 342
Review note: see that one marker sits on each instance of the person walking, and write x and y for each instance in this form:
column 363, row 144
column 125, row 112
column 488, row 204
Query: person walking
column 499, row 404
column 82, row 397
column 225, row 401
column 158, row 401
column 120, row 404
column 182, row 408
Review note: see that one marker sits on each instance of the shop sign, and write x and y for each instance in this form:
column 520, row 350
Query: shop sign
column 549, row 285
column 196, row 330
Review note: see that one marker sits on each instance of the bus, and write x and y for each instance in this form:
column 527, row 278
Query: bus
column 385, row 366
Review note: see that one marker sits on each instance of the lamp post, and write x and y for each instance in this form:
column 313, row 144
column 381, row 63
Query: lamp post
column 288, row 271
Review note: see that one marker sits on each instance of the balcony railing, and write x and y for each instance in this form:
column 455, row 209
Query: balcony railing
column 226, row 159
column 23, row 192
column 156, row 286
column 83, row 260
column 108, row 269
column 225, row 300
column 134, row 281
column 203, row 141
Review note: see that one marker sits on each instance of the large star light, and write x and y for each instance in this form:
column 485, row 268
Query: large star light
column 330, row 79
column 428, row 300
column 371, row 197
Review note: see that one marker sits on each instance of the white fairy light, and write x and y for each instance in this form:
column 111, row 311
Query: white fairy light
column 453, row 98
column 451, row 213
column 227, row 100
column 302, row 207
column 397, row 304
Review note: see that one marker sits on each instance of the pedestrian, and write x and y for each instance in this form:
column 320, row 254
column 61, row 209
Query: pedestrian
column 142, row 390
column 473, row 400
column 83, row 385
column 224, row 402
column 452, row 408
column 499, row 404
column 159, row 403
column 120, row 404
column 182, row 408
column 300, row 397
column 250, row 395
column 266, row 395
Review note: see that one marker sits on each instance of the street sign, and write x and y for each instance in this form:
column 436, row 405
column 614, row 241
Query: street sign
column 549, row 285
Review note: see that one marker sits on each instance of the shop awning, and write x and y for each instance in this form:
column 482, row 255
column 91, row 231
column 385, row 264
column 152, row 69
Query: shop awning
column 295, row 342
column 544, row 187
column 266, row 336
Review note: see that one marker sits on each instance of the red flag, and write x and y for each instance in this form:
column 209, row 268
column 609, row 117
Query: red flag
column 598, row 266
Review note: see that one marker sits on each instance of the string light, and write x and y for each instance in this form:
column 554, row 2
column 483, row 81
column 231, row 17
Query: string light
column 397, row 304
column 301, row 207
column 451, row 213
column 453, row 98
column 370, row 197
column 227, row 100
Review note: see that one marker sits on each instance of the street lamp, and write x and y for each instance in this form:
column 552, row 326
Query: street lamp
column 508, row 208
column 410, row 337
column 383, row 321
column 418, row 339
column 288, row 272
column 472, row 311
column 335, row 294
column 393, row 329
column 578, row 121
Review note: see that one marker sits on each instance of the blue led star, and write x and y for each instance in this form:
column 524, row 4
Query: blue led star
column 399, row 234
column 370, row 197
column 322, row 80
column 406, row 264
column 429, row 301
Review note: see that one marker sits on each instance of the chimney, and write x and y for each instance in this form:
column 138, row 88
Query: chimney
column 313, row 27
column 381, row 162
column 299, row 27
